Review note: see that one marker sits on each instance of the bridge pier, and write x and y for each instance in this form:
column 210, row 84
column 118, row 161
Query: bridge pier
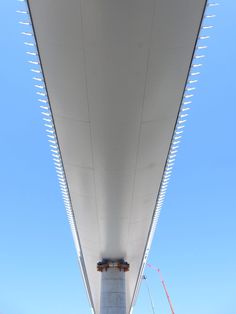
column 112, row 299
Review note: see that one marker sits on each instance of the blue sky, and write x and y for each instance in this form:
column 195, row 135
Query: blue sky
column 195, row 241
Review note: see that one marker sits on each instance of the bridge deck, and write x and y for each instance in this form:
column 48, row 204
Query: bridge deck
column 115, row 73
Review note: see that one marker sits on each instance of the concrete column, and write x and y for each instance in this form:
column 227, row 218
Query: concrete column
column 113, row 292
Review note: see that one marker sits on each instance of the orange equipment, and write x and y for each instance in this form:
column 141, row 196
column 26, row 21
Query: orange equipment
column 164, row 286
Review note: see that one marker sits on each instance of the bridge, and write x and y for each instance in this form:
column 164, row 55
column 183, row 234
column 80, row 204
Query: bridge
column 115, row 81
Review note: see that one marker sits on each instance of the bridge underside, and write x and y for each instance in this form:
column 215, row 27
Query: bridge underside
column 115, row 73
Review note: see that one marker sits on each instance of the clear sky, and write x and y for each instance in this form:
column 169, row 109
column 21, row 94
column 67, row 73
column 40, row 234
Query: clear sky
column 195, row 241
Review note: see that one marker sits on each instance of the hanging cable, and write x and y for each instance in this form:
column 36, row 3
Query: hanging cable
column 149, row 293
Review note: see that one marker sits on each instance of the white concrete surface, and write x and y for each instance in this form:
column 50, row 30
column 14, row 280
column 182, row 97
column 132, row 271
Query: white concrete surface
column 113, row 292
column 115, row 72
